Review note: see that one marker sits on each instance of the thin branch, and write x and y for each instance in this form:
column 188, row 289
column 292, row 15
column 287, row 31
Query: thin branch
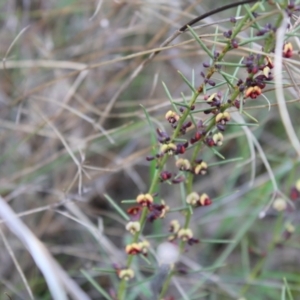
column 284, row 114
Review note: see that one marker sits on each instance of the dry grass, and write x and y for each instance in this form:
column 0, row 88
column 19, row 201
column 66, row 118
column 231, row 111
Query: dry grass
column 73, row 77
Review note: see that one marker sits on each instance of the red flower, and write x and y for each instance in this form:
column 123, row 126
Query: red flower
column 288, row 50
column 253, row 92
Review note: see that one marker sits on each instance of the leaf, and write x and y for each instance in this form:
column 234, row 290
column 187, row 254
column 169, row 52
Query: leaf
column 96, row 285
column 187, row 82
column 117, row 207
column 203, row 46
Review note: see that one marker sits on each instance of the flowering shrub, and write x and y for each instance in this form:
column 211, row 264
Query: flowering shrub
column 201, row 124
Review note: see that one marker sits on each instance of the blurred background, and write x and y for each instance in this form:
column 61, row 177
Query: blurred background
column 72, row 129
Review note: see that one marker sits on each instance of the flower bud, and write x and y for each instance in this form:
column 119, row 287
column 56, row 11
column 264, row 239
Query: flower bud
column 279, row 204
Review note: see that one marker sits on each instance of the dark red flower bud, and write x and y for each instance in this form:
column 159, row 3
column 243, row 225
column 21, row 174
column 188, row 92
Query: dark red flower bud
column 210, row 142
column 254, row 69
column 165, row 175
column 211, row 82
column 234, row 43
column 180, row 149
column 237, row 103
column 192, row 241
column 178, row 179
column 294, row 194
column 149, row 158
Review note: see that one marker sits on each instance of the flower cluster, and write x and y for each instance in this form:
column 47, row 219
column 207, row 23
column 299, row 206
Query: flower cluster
column 259, row 72
column 188, row 133
column 194, row 199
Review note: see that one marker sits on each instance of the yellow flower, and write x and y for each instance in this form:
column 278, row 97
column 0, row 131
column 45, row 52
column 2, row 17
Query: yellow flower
column 279, row 204
column 126, row 274
column 144, row 199
column 133, row 227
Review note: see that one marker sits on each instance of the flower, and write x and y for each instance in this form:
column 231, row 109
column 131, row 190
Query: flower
column 204, row 200
column 211, row 98
column 133, row 249
column 172, row 117
column 183, row 164
column 200, row 168
column 138, row 248
column 288, row 50
column 269, row 62
column 157, row 211
column 185, row 234
column 125, row 274
column 195, row 200
column 144, row 199
column 144, row 246
column 174, row 226
column 192, row 198
column 170, row 148
column 223, row 118
column 133, row 227
column 266, row 71
column 253, row 92
column 134, row 210
column 289, row 227
column 218, row 138
column 279, row 204
column 164, row 210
